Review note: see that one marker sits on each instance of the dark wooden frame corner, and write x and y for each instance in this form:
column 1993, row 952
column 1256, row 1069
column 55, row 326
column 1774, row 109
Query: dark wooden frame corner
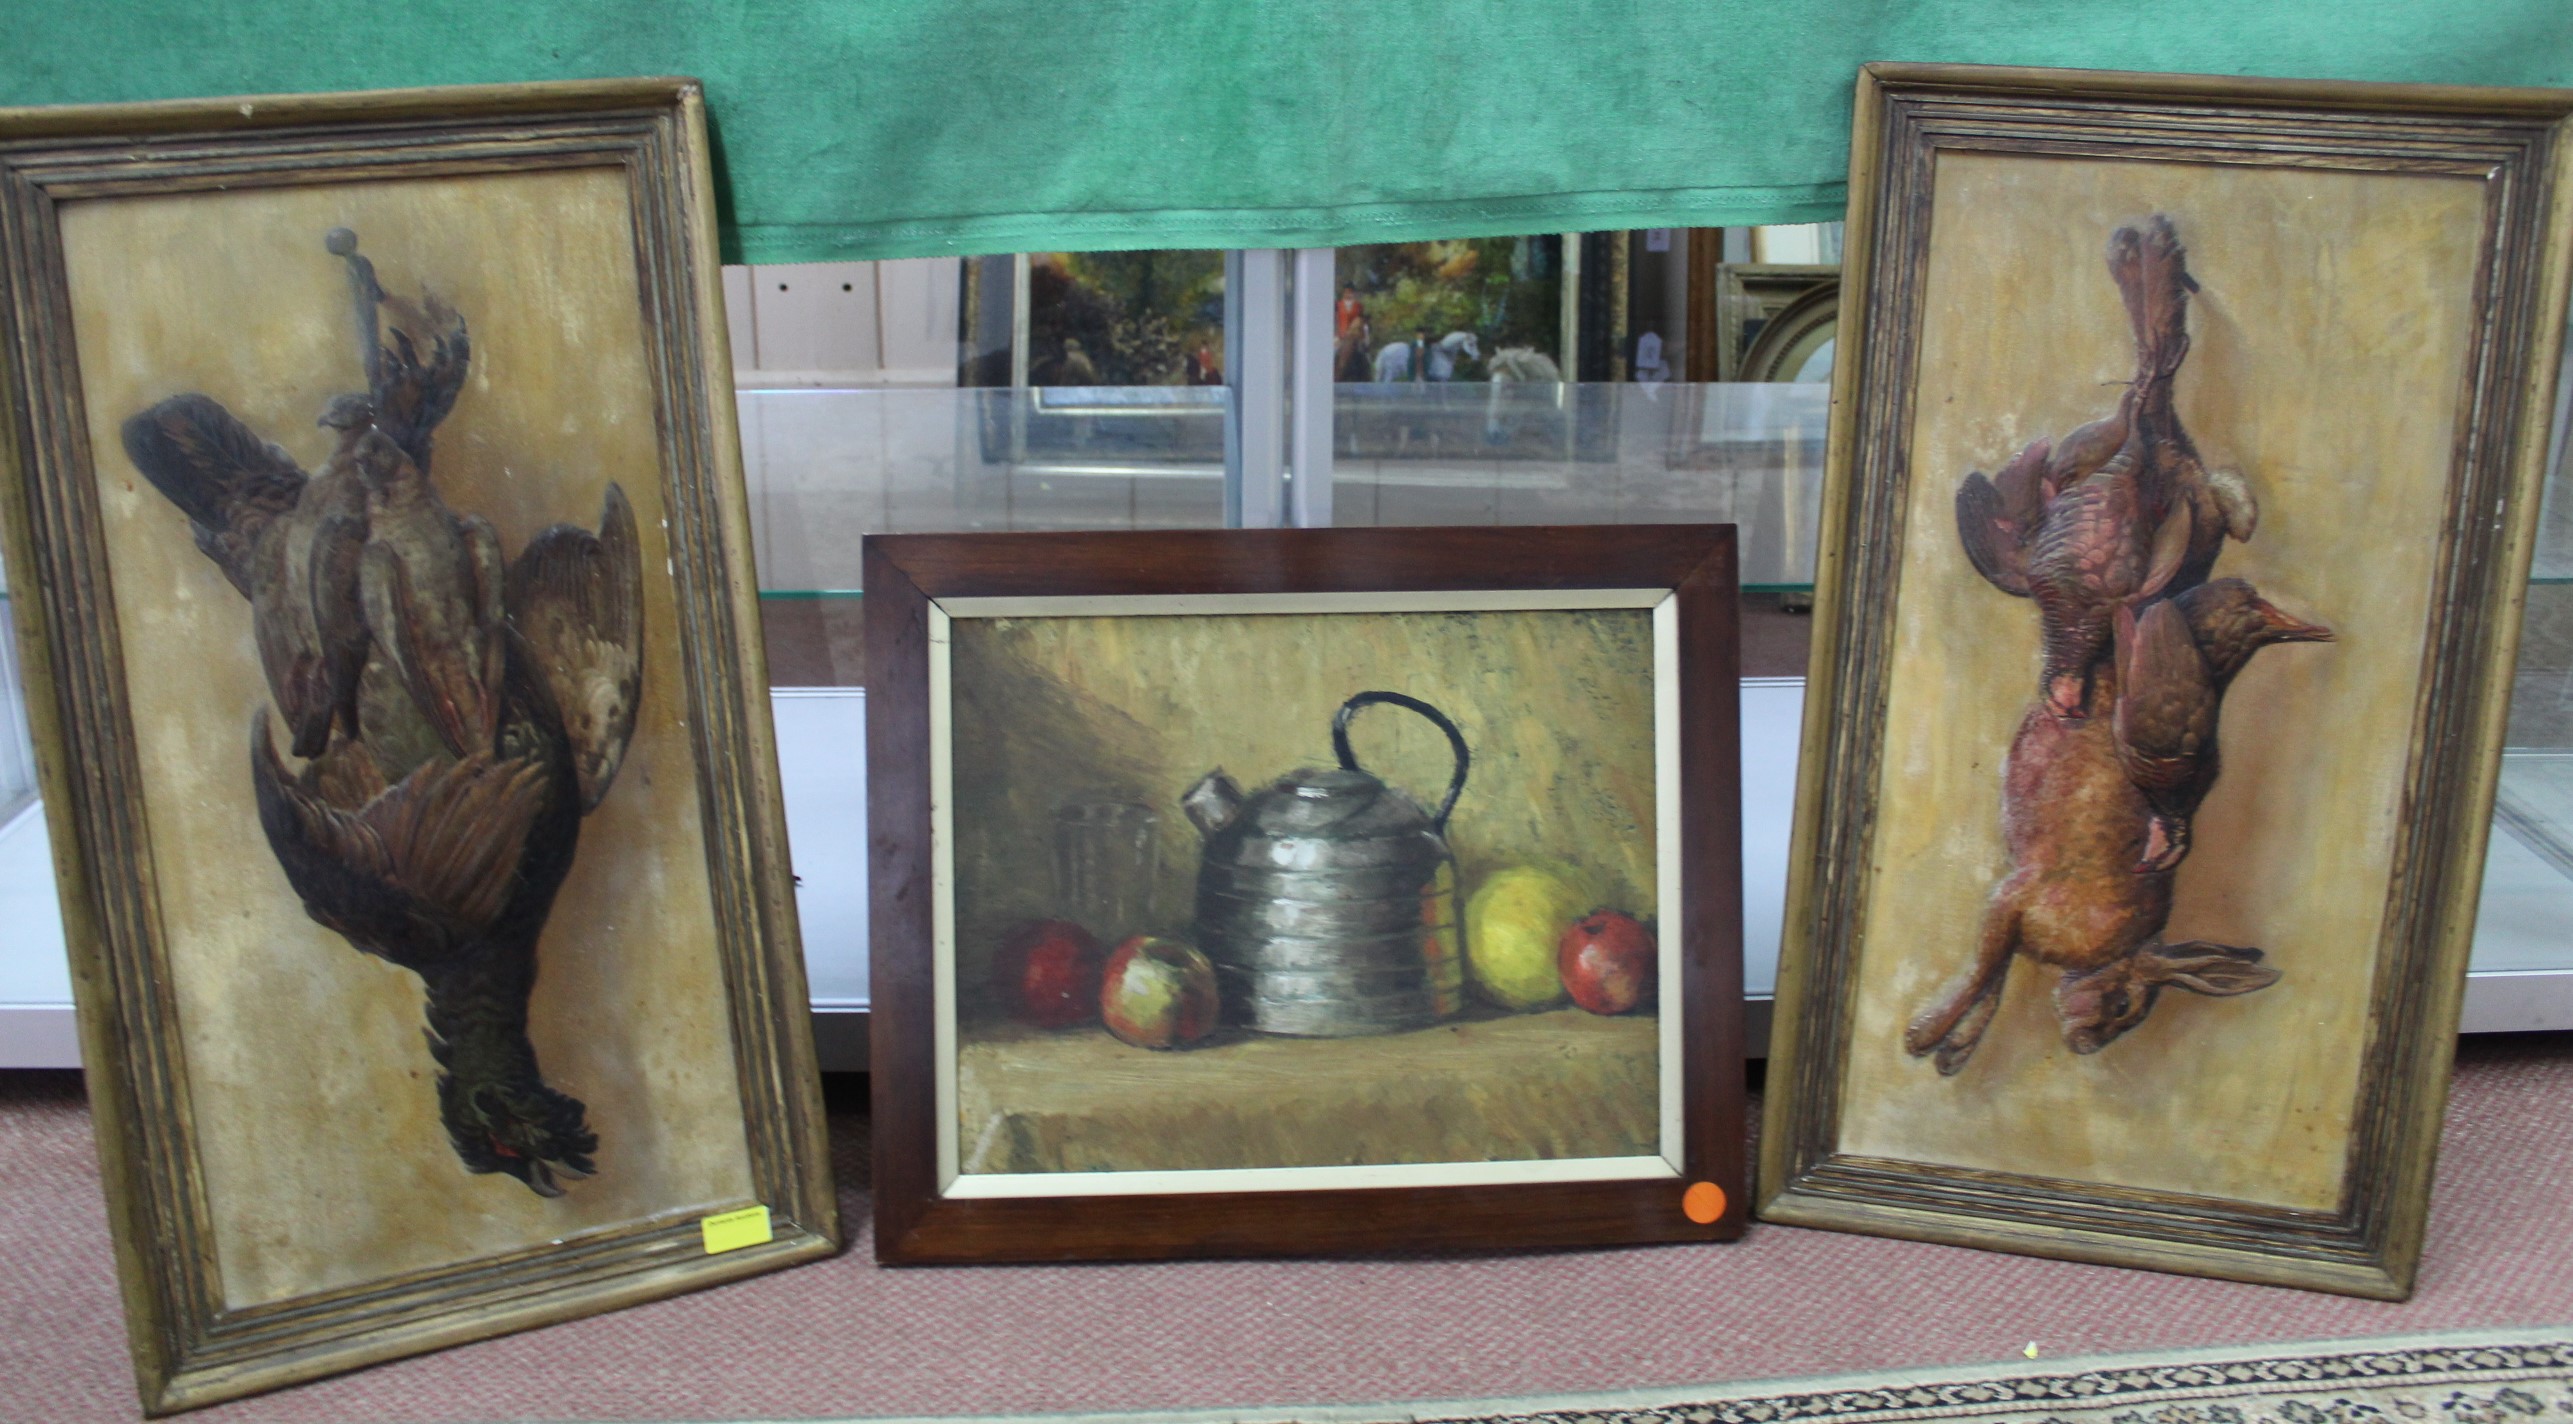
column 905, row 574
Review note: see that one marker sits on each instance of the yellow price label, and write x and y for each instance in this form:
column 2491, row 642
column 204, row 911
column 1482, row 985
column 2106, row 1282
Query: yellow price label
column 732, row 1230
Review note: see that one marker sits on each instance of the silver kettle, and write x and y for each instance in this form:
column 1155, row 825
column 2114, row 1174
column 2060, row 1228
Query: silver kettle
column 1327, row 901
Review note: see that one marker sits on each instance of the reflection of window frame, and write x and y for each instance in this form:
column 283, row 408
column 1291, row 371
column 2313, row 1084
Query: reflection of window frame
column 1744, row 297
column 1793, row 334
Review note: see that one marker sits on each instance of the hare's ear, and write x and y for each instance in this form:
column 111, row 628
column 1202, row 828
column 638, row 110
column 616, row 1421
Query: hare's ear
column 2201, row 967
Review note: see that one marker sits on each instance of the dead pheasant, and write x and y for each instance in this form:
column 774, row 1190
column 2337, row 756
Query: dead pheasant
column 458, row 718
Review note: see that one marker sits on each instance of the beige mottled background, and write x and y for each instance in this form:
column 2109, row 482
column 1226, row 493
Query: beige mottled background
column 324, row 1160
column 1556, row 708
column 2329, row 347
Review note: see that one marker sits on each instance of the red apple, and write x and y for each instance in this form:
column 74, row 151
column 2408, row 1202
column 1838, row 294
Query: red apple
column 1607, row 962
column 1048, row 973
column 1158, row 993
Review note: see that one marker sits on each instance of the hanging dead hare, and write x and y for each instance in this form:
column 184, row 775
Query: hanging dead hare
column 2112, row 532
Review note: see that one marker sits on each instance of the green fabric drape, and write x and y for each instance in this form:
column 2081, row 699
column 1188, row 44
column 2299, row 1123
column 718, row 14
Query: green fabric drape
column 888, row 128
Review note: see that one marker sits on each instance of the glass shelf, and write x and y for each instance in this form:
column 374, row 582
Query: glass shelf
column 827, row 466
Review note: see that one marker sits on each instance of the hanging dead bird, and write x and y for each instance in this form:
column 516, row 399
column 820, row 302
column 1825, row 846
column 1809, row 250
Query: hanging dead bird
column 458, row 717
column 2096, row 552
column 576, row 605
column 2121, row 510
column 2174, row 662
column 431, row 583
column 449, row 873
column 1998, row 518
column 288, row 543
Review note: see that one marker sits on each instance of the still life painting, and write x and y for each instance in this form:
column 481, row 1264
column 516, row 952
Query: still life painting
column 1354, row 948
column 1372, row 894
column 2159, row 674
column 406, row 787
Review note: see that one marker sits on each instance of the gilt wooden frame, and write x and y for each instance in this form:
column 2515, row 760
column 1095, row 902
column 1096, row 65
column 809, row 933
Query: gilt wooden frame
column 188, row 1348
column 1689, row 571
column 1907, row 116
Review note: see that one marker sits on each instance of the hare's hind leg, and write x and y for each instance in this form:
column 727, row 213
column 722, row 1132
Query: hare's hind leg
column 1954, row 1024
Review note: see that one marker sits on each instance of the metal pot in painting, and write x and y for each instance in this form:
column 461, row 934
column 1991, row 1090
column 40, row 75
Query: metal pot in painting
column 1327, row 900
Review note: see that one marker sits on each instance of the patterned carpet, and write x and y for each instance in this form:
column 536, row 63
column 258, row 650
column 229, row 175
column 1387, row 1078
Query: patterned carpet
column 2458, row 1378
column 2483, row 1377
column 843, row 1339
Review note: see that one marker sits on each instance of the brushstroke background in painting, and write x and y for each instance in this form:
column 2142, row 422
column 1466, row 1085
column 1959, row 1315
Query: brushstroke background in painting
column 325, row 1163
column 1556, row 706
column 2329, row 346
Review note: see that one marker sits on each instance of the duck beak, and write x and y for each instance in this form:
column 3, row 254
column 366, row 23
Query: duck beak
column 2284, row 629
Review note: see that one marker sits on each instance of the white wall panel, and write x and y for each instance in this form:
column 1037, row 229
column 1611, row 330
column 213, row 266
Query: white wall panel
column 737, row 317
column 815, row 323
column 918, row 306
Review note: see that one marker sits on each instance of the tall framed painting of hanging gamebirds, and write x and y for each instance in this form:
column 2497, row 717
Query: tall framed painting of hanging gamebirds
column 392, row 656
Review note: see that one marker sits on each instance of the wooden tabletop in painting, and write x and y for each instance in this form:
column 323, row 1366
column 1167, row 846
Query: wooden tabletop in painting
column 1079, row 1100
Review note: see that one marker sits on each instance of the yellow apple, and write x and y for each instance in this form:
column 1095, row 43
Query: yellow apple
column 1513, row 926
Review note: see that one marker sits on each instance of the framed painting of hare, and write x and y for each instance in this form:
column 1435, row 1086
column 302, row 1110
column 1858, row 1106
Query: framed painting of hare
column 387, row 613
column 2185, row 464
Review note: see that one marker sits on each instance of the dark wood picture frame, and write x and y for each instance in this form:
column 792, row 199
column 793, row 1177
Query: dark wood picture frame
column 906, row 578
column 1912, row 119
column 190, row 1347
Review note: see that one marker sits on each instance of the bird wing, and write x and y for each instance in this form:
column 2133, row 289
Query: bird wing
column 289, row 648
column 576, row 601
column 416, row 871
column 2165, row 718
column 1991, row 541
column 455, row 831
column 339, row 615
column 426, row 650
column 229, row 483
column 2171, row 541
column 488, row 644
column 2234, row 500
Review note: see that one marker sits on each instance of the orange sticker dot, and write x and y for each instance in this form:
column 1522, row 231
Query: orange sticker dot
column 1703, row 1202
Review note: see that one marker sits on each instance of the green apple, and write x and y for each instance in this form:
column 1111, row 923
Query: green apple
column 1513, row 927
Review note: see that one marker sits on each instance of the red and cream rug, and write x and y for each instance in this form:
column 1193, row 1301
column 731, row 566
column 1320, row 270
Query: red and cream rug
column 2505, row 1377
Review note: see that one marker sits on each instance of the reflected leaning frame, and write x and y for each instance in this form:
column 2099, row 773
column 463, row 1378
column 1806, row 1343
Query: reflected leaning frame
column 922, row 589
column 1887, row 518
column 198, row 1334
